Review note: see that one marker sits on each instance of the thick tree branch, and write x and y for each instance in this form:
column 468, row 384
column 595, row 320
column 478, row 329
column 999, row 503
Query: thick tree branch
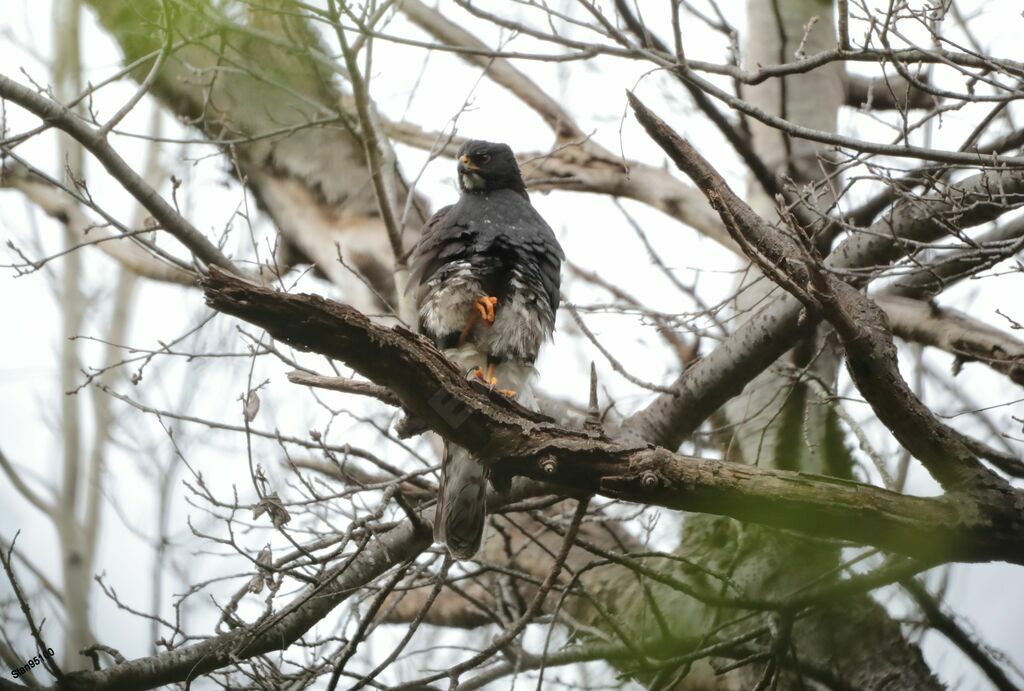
column 955, row 332
column 517, row 441
column 710, row 382
column 861, row 325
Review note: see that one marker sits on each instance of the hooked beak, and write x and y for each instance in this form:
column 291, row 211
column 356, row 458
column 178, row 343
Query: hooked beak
column 466, row 164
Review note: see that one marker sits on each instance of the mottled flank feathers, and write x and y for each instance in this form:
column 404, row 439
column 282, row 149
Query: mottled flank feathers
column 492, row 243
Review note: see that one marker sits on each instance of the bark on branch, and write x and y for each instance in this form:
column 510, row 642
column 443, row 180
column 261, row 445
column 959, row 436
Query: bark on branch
column 859, row 322
column 955, row 332
column 722, row 374
column 519, row 442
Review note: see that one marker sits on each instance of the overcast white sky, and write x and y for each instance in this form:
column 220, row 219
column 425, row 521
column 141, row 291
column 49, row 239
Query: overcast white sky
column 592, row 231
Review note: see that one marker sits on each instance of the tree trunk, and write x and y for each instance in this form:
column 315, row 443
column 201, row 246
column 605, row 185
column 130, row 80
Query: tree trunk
column 76, row 554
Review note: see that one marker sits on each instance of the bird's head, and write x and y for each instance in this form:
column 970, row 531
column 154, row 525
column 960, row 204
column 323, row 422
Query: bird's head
column 487, row 166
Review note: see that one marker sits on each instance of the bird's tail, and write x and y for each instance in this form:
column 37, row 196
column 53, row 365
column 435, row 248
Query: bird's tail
column 461, row 512
column 461, row 503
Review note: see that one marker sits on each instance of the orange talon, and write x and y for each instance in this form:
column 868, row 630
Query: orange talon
column 483, row 308
column 490, row 380
column 487, row 378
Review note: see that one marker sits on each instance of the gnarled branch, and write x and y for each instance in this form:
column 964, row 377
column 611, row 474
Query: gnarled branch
column 517, row 441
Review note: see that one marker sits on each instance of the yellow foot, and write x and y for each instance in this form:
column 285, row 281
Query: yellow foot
column 490, row 380
column 486, row 377
column 483, row 308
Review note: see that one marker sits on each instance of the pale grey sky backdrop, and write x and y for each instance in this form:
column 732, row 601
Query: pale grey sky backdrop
column 428, row 92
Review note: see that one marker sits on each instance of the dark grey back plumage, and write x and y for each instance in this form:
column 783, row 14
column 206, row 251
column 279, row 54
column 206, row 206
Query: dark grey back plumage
column 491, row 243
column 501, row 239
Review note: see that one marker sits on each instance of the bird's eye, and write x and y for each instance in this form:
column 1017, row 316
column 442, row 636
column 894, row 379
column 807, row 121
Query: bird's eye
column 483, row 158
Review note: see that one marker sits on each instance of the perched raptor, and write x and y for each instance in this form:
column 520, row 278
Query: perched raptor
column 486, row 279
